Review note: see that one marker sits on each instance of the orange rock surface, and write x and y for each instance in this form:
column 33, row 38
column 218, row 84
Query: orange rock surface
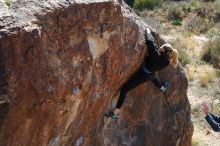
column 62, row 64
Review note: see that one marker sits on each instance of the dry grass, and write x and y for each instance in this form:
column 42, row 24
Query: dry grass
column 205, row 53
column 146, row 4
column 185, row 44
column 8, row 2
column 218, row 73
column 178, row 11
column 206, row 15
column 185, row 40
column 211, row 52
column 190, row 72
column 217, row 6
column 199, row 24
column 195, row 142
column 215, row 105
column 206, row 75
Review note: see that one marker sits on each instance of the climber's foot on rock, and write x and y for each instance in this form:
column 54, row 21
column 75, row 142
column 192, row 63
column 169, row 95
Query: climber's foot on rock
column 164, row 86
column 112, row 115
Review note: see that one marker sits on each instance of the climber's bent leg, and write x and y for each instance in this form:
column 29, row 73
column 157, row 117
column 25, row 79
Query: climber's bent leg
column 139, row 78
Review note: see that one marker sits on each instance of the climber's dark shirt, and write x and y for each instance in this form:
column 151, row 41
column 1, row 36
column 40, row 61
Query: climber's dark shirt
column 155, row 60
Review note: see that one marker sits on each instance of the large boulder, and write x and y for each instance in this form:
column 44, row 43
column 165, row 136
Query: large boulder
column 62, row 64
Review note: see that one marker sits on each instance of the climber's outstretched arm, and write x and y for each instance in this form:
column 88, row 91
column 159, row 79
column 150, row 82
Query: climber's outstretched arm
column 213, row 121
column 149, row 41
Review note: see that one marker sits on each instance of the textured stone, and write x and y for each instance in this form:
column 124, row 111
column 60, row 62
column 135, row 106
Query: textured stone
column 62, row 65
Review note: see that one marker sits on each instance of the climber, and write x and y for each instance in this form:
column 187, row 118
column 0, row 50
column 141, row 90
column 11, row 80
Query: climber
column 155, row 61
column 213, row 120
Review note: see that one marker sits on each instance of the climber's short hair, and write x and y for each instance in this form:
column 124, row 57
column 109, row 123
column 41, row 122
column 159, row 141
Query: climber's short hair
column 171, row 53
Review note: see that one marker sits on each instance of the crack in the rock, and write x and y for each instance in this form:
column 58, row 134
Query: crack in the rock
column 166, row 99
column 48, row 37
column 174, row 113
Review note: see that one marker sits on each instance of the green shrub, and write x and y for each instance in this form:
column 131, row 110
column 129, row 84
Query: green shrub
column 206, row 54
column 211, row 52
column 199, row 24
column 206, row 74
column 196, row 4
column 195, row 142
column 183, row 57
column 218, row 73
column 8, row 2
column 186, row 7
column 204, row 16
column 217, row 6
column 208, row 0
column 214, row 31
column 177, row 22
column 149, row 4
column 175, row 12
column 184, row 42
column 217, row 10
column 179, row 10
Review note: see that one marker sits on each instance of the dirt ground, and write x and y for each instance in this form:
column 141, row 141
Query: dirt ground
column 203, row 135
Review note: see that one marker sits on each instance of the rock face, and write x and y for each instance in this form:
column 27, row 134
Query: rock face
column 62, row 64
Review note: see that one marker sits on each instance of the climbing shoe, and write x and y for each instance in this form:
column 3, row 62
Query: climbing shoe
column 111, row 115
column 164, row 86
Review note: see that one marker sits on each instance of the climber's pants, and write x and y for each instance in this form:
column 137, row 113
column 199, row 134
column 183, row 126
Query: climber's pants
column 138, row 78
